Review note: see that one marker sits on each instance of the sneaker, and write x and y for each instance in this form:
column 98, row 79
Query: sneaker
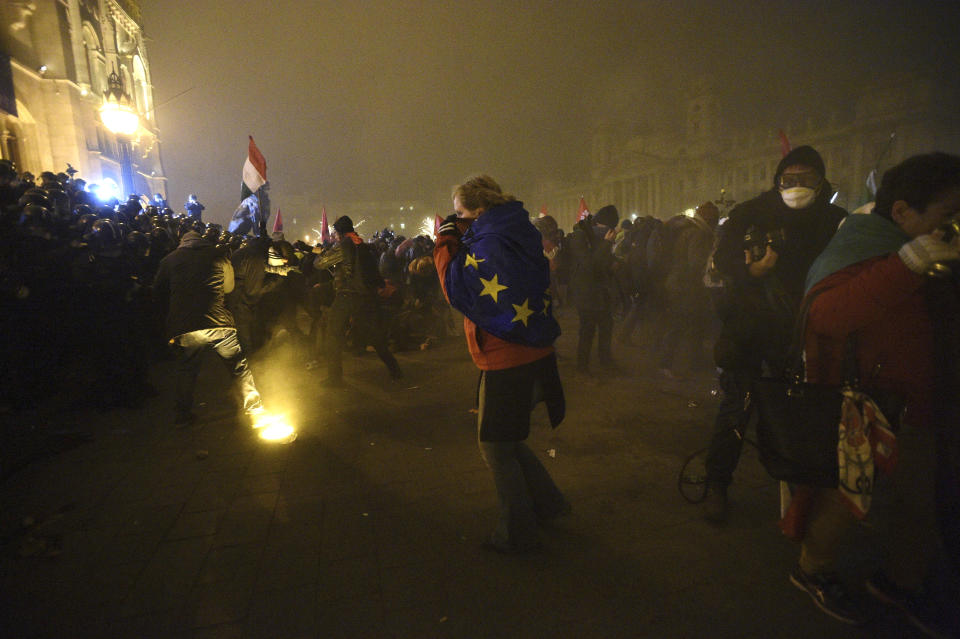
column 715, row 504
column 916, row 608
column 830, row 596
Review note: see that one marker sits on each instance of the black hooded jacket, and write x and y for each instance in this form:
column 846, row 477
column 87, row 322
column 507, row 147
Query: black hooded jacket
column 807, row 231
column 760, row 311
column 194, row 279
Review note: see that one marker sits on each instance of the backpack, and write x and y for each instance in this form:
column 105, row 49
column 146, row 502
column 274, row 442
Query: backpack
column 368, row 268
column 660, row 245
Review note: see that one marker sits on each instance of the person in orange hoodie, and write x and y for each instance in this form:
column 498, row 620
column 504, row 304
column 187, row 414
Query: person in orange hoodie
column 490, row 261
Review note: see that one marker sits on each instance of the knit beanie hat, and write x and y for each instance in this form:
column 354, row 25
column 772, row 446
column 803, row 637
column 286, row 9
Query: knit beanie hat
column 343, row 225
column 608, row 216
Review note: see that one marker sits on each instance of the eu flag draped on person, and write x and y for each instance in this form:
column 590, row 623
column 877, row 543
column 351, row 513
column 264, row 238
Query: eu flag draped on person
column 251, row 216
column 499, row 278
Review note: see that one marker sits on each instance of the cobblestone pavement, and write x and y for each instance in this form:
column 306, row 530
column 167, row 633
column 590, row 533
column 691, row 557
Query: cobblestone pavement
column 370, row 523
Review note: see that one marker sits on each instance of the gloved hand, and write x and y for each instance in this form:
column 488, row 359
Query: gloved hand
column 449, row 226
column 925, row 250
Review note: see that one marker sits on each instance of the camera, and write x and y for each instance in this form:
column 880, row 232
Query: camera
column 756, row 242
column 949, row 231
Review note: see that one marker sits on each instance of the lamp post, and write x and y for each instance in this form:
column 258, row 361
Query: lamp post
column 122, row 120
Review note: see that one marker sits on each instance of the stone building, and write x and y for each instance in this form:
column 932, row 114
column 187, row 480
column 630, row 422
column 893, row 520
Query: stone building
column 57, row 58
column 667, row 172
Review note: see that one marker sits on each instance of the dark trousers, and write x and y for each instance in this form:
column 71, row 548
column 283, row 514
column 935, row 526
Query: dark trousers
column 731, row 421
column 366, row 322
column 681, row 343
column 594, row 321
column 224, row 342
column 524, row 487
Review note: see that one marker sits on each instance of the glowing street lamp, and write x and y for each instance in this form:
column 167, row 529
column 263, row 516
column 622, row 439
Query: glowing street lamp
column 121, row 119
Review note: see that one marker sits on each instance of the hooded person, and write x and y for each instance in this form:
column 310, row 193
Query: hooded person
column 764, row 250
column 193, row 281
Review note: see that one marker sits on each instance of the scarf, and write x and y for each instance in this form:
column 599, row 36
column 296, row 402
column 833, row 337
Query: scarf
column 859, row 238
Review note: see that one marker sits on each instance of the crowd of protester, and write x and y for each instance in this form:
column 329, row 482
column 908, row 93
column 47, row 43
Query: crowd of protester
column 80, row 322
column 76, row 275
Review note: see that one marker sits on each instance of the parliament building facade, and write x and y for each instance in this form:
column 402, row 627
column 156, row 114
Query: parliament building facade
column 666, row 173
column 56, row 58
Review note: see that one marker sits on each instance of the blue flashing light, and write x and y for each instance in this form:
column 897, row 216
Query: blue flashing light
column 106, row 190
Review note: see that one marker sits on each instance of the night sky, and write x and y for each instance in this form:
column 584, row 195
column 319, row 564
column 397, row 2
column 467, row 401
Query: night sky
column 355, row 101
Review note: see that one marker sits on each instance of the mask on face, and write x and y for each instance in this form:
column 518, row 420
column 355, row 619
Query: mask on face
column 798, row 197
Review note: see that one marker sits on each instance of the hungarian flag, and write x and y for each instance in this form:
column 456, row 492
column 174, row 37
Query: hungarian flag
column 437, row 222
column 583, row 211
column 324, row 228
column 254, row 209
column 784, row 143
column 543, row 211
column 278, row 223
column 254, row 171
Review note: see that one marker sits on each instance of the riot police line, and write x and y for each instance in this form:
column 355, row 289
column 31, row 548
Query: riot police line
column 82, row 329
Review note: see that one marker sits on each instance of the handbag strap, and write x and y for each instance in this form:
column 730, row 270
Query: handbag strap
column 795, row 366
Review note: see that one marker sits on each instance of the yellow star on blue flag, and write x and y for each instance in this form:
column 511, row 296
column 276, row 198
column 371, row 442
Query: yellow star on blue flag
column 523, row 311
column 472, row 260
column 492, row 287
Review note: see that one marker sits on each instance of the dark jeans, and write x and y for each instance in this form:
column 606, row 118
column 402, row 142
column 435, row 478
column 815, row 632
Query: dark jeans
column 224, row 342
column 595, row 321
column 366, row 323
column 731, row 421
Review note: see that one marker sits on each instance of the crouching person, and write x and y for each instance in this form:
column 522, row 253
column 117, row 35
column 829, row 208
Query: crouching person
column 491, row 265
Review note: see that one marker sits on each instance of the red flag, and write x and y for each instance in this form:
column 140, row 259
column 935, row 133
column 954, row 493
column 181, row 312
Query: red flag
column 784, row 144
column 543, row 211
column 583, row 212
column 437, row 221
column 278, row 223
column 324, row 231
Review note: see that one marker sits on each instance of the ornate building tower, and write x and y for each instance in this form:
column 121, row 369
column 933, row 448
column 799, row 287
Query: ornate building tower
column 57, row 58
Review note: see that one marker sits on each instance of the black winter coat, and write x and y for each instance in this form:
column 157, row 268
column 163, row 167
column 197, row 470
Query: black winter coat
column 589, row 263
column 194, row 280
column 759, row 312
column 250, row 273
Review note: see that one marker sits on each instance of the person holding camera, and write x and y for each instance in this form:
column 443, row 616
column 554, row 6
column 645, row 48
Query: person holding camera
column 764, row 250
column 891, row 280
column 490, row 262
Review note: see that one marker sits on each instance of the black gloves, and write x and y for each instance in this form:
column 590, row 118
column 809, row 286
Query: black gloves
column 449, row 226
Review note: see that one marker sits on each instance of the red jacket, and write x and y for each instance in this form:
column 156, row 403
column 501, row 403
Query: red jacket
column 489, row 353
column 882, row 302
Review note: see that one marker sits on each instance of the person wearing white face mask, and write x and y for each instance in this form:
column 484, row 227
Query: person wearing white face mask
column 764, row 249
